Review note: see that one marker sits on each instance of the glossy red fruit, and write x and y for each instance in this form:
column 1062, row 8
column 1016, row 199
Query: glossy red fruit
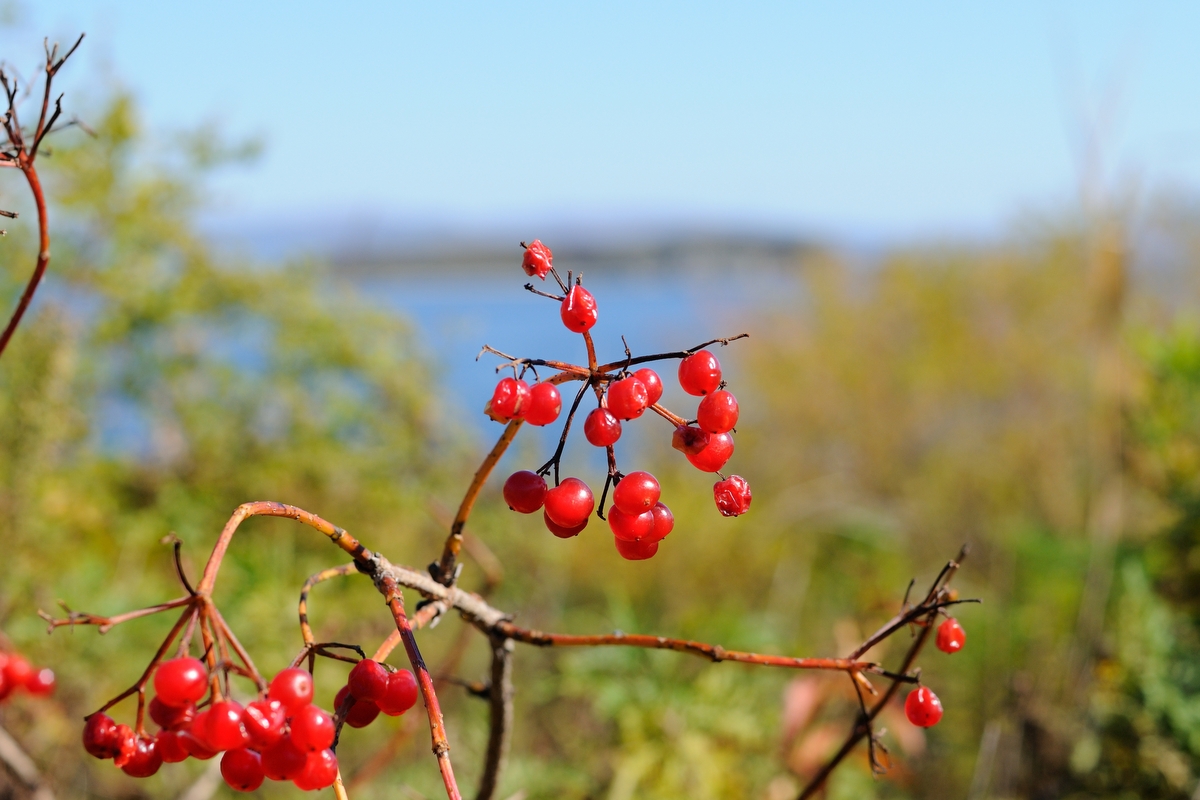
column 664, row 523
column 509, row 399
column 630, row 527
column 242, row 769
column 320, row 771
column 718, row 412
column 293, row 687
column 545, row 404
column 950, row 636
column 180, row 681
column 700, row 373
column 41, row 683
column 172, row 718
column 99, row 736
column 562, row 532
column 601, row 428
column 525, row 491
column 170, row 748
column 578, row 310
column 225, row 730
column 689, row 440
column 570, row 503
column 636, row 551
column 361, row 713
column 627, row 398
column 401, row 693
column 368, row 680
column 923, row 708
column 311, row 728
column 732, row 496
column 715, row 453
column 194, row 738
column 653, row 384
column 283, row 760
column 145, row 759
column 537, row 260
column 17, row 671
column 637, row 493
column 264, row 721
column 126, row 742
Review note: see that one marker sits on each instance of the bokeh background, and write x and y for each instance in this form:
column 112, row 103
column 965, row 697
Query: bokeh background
column 964, row 242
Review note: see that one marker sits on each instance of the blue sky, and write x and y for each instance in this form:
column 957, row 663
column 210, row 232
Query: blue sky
column 856, row 119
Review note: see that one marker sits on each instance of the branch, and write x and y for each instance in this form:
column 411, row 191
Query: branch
column 500, row 716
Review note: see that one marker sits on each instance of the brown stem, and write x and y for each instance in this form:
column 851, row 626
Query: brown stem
column 500, row 716
column 43, row 259
column 625, row 363
column 324, row 575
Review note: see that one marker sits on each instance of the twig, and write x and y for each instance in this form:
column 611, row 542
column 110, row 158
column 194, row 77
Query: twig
column 500, row 716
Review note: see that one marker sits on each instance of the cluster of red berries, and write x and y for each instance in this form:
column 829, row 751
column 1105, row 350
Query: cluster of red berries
column 17, row 674
column 922, row 706
column 281, row 736
column 637, row 519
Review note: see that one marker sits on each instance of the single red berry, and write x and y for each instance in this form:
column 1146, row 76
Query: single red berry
column 545, row 404
column 601, row 428
column 225, row 730
column 636, row 493
column 293, row 687
column 715, row 453
column 578, row 310
column 664, row 523
column 689, row 440
column 312, row 728
column 509, row 399
column 145, row 759
column 630, row 527
column 922, row 708
column 170, row 748
column 700, row 373
column 570, row 503
column 41, row 683
column 360, row 713
column 180, row 681
column 17, row 671
column 627, row 398
column 173, row 718
column 126, row 743
column 653, row 384
column 537, row 259
column 563, row 532
column 283, row 761
column 732, row 496
column 242, row 769
column 99, row 736
column 401, row 693
column 525, row 491
column 718, row 412
column 368, row 680
column 320, row 771
column 636, row 551
column 264, row 721
column 950, row 636
column 194, row 738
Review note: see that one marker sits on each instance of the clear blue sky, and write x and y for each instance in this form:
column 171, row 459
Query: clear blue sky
column 853, row 118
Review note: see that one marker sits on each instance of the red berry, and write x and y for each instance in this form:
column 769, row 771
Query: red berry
column 194, row 738
column 601, row 428
column 636, row 551
column 170, row 748
column 180, row 681
column 653, row 384
column 293, row 687
column 41, row 683
column 545, row 404
column 578, row 310
column 636, row 493
column 732, row 496
column 99, row 736
column 570, row 503
column 525, row 491
column 630, row 527
column 312, row 728
column 145, row 759
column 283, row 760
column 951, row 636
column 401, row 693
column 173, row 718
column 537, row 259
column 264, row 721
column 320, row 770
column 664, row 523
column 689, row 440
column 361, row 713
column 700, row 373
column 627, row 398
column 562, row 532
column 509, row 400
column 5, row 687
column 126, row 742
column 368, row 680
column 718, row 412
column 224, row 730
column 17, row 671
column 922, row 708
column 715, row 453
column 242, row 769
